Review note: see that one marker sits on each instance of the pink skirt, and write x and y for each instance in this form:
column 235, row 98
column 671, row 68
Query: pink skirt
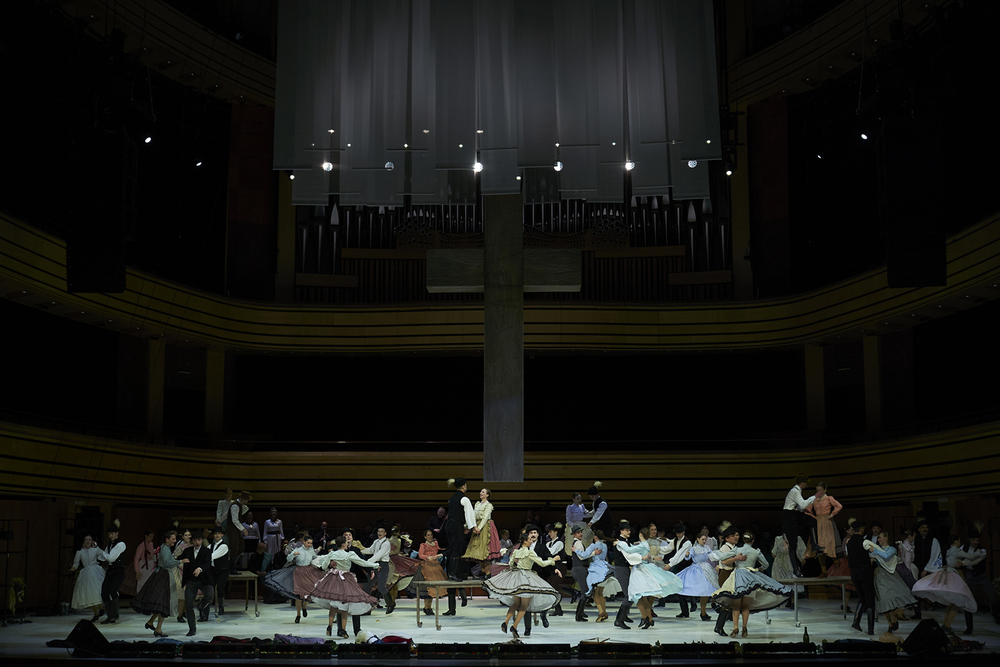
column 946, row 588
column 494, row 547
column 405, row 567
column 338, row 590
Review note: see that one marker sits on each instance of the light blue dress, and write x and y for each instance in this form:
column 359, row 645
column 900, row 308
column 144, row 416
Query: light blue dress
column 700, row 579
column 647, row 579
column 746, row 581
column 599, row 573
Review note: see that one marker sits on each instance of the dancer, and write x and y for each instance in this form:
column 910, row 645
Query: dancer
column 236, row 533
column 550, row 574
column 601, row 582
column 945, row 586
column 727, row 563
column 891, row 593
column 700, row 580
column 380, row 551
column 782, row 568
column 430, row 570
column 575, row 512
column 973, row 566
column 197, row 575
column 554, row 546
column 274, row 532
column 220, row 567
column 484, row 546
column 183, row 542
column 747, row 590
column 907, row 570
column 143, row 562
column 926, row 555
column 87, row 589
column 709, row 540
column 862, row 576
column 159, row 596
column 461, row 519
column 598, row 517
column 288, row 580
column 579, row 569
column 647, row 581
column 623, row 563
column 403, row 567
column 337, row 589
column 520, row 589
column 678, row 546
column 251, row 540
column 793, row 521
column 824, row 532
column 115, row 573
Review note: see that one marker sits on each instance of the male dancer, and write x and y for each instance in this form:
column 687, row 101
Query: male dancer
column 862, row 576
column 115, row 574
column 974, row 568
column 461, row 519
column 623, row 570
column 579, row 571
column 235, row 531
column 550, row 573
column 197, row 573
column 678, row 545
column 598, row 517
column 219, row 551
column 379, row 552
column 730, row 537
column 793, row 522
column 926, row 556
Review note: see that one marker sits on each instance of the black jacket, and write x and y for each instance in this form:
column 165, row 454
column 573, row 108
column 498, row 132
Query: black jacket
column 857, row 556
column 204, row 561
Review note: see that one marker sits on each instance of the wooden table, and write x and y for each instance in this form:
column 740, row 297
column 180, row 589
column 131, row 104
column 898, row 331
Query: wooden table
column 247, row 577
column 469, row 583
column 813, row 581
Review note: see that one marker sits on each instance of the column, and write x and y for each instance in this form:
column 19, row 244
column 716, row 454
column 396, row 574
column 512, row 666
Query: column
column 215, row 382
column 815, row 389
column 873, row 384
column 503, row 348
column 284, row 279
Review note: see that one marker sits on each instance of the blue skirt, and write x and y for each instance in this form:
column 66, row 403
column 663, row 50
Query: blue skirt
column 760, row 590
column 648, row 580
column 696, row 582
column 282, row 582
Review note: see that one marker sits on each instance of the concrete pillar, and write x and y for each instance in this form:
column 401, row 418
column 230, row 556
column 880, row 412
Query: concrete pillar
column 815, row 389
column 873, row 384
column 503, row 353
column 215, row 382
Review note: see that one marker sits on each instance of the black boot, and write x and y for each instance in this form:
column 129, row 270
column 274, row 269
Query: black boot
column 545, row 619
column 557, row 610
column 684, row 609
column 451, row 603
column 579, row 610
column 622, row 615
column 720, row 623
column 357, row 624
column 968, row 623
column 461, row 593
column 871, row 620
column 917, row 611
column 858, row 615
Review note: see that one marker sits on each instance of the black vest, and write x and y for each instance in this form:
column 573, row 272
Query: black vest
column 220, row 564
column 921, row 551
column 978, row 568
column 604, row 524
column 577, row 561
column 455, row 510
column 857, row 556
column 677, row 545
column 119, row 563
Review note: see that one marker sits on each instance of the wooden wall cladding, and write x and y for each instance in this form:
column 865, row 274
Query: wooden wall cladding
column 33, row 270
column 38, row 462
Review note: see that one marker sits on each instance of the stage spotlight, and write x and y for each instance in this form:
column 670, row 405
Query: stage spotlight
column 729, row 172
column 692, row 164
column 819, row 156
column 519, row 178
column 327, row 166
column 864, row 136
column 198, row 163
column 147, row 139
column 558, row 166
column 629, row 165
column 477, row 167
column 291, row 177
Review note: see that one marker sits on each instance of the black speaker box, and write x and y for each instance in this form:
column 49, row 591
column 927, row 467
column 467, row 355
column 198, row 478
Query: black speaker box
column 927, row 637
column 87, row 641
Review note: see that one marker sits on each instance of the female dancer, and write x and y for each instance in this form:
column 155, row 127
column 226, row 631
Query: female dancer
column 747, row 589
column 484, row 546
column 947, row 587
column 782, row 568
column 143, row 564
column 274, row 532
column 87, row 590
column 403, row 567
column 520, row 589
column 700, row 580
column 182, row 543
column 891, row 593
column 601, row 582
column 430, row 570
column 158, row 596
column 289, row 581
column 647, row 581
column 337, row 589
column 905, row 567
column 824, row 535
column 574, row 515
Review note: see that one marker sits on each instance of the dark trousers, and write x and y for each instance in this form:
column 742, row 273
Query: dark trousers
column 725, row 615
column 221, row 580
column 794, row 525
column 109, row 590
column 380, row 581
column 456, row 545
column 863, row 579
column 623, row 573
column 190, row 593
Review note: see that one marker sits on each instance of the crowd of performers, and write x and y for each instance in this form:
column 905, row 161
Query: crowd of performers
column 592, row 555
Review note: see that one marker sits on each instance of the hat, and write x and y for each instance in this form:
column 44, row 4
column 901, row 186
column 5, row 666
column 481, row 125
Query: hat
column 680, row 528
column 802, row 478
column 732, row 530
column 530, row 527
column 457, row 482
column 577, row 528
column 245, row 497
column 973, row 533
column 593, row 491
column 920, row 522
column 346, row 529
column 624, row 525
column 218, row 529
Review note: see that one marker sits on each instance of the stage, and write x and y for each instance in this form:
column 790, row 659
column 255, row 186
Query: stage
column 479, row 623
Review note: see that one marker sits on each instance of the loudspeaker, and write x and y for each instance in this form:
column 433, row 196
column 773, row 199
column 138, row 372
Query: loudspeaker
column 926, row 637
column 86, row 641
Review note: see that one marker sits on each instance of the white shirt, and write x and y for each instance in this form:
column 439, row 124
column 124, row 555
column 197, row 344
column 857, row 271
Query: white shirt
column 112, row 556
column 794, row 501
column 555, row 546
column 234, row 514
column 726, row 546
column 470, row 513
column 380, row 549
column 682, row 551
column 630, row 558
column 596, row 514
column 934, row 562
column 219, row 549
column 220, row 510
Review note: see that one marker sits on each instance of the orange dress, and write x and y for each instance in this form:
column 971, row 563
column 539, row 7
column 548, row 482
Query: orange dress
column 823, row 510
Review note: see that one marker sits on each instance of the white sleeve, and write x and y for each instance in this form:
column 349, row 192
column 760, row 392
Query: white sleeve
column 681, row 553
column 78, row 559
column 220, row 511
column 599, row 512
column 799, row 502
column 220, row 552
column 382, row 552
column 234, row 514
column 487, row 514
column 470, row 515
column 934, row 562
column 555, row 548
column 116, row 552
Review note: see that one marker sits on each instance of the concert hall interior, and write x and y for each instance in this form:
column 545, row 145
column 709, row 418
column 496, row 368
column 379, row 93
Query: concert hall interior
column 720, row 263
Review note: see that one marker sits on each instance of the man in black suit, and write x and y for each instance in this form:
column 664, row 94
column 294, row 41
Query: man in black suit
column 197, row 574
column 219, row 553
column 551, row 572
column 862, row 575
